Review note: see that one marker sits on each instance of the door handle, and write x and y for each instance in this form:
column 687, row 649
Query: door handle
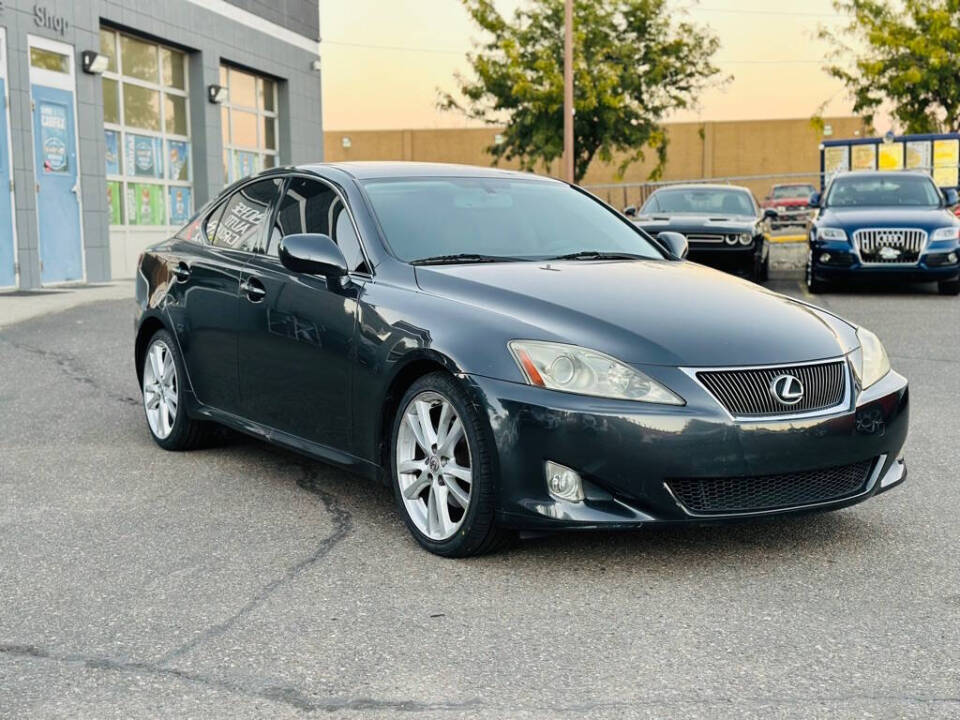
column 181, row 272
column 254, row 291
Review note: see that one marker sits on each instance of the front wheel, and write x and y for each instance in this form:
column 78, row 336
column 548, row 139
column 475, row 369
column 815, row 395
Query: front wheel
column 949, row 287
column 163, row 401
column 814, row 285
column 443, row 470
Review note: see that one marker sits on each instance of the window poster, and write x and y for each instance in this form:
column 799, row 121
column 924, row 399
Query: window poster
column 178, row 160
column 890, row 156
column 145, row 204
column 143, row 156
column 179, row 205
column 53, row 137
column 836, row 158
column 946, row 159
column 245, row 163
column 114, row 203
column 863, row 157
column 918, row 155
column 112, row 156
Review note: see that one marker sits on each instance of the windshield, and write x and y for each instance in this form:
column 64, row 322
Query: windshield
column 883, row 190
column 701, row 201
column 498, row 218
column 793, row 191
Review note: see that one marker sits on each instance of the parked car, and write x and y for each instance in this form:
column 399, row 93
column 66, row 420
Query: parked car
column 507, row 353
column 893, row 226
column 792, row 203
column 723, row 225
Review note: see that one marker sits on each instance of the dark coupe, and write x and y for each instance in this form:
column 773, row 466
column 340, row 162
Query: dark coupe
column 884, row 226
column 508, row 353
column 723, row 225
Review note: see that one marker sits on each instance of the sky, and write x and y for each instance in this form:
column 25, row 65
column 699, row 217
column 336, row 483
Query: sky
column 384, row 60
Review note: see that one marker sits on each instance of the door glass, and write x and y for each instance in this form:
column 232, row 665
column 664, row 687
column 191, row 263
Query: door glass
column 49, row 60
column 53, row 137
column 244, row 216
column 305, row 208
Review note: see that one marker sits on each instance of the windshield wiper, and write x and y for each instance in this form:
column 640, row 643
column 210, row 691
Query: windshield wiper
column 599, row 255
column 463, row 258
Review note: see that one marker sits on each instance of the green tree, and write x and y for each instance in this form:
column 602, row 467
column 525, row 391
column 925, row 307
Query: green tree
column 632, row 66
column 906, row 53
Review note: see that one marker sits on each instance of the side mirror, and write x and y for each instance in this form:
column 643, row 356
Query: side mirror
column 630, row 211
column 952, row 197
column 770, row 214
column 313, row 254
column 676, row 243
column 814, row 200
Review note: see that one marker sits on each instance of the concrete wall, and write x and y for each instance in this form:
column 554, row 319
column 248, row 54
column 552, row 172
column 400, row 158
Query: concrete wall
column 697, row 150
column 209, row 37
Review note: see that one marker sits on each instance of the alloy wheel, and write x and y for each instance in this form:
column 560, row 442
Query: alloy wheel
column 160, row 389
column 434, row 467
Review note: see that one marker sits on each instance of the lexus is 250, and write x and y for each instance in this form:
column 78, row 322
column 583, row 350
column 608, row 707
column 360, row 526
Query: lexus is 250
column 508, row 353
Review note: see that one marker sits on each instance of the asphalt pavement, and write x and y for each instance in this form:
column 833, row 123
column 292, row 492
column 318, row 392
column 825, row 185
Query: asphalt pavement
column 242, row 581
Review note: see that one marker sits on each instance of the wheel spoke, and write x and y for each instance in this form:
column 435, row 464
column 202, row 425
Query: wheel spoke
column 432, row 520
column 443, row 510
column 156, row 362
column 416, row 487
column 168, row 370
column 443, row 426
column 426, row 424
column 459, row 496
column 452, row 438
column 410, row 466
column 461, row 473
column 164, row 420
column 413, row 421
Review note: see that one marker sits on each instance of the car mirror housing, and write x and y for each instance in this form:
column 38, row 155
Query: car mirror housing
column 951, row 197
column 770, row 214
column 814, row 200
column 676, row 243
column 313, row 254
column 630, row 211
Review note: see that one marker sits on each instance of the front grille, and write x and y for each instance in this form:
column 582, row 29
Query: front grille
column 747, row 393
column 711, row 496
column 705, row 238
column 895, row 246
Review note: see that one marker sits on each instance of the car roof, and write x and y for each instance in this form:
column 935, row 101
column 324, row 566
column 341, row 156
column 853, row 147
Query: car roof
column 702, row 186
column 368, row 170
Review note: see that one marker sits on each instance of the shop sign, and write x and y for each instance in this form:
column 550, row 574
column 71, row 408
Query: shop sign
column 44, row 18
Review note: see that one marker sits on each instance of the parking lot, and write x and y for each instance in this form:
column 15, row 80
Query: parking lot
column 244, row 581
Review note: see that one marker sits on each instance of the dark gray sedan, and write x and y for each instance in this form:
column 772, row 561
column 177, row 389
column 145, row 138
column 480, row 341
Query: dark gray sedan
column 507, row 353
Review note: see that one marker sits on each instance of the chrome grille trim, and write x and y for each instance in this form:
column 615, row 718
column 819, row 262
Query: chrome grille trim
column 910, row 241
column 743, row 392
column 705, row 238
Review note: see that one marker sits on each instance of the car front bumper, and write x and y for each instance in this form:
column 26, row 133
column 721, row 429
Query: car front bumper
column 627, row 452
column 846, row 264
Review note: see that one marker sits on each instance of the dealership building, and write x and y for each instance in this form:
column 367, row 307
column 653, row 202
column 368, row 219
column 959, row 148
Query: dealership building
column 118, row 118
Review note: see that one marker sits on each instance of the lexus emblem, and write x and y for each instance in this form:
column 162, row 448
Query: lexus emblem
column 787, row 389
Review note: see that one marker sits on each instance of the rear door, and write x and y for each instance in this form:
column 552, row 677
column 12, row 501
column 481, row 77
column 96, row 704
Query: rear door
column 207, row 292
column 296, row 349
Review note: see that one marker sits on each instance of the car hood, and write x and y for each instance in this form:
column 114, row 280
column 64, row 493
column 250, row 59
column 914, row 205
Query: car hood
column 644, row 312
column 659, row 222
column 885, row 217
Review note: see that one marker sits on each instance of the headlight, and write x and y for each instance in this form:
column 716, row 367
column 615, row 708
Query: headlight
column 574, row 369
column 947, row 233
column 829, row 233
column 870, row 361
column 745, row 238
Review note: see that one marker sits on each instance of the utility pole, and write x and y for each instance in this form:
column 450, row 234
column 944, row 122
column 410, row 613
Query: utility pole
column 568, row 172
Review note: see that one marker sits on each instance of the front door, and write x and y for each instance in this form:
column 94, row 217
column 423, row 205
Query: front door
column 52, row 91
column 8, row 259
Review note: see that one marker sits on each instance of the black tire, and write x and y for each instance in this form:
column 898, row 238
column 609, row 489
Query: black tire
column 185, row 432
column 949, row 287
column 814, row 285
column 479, row 533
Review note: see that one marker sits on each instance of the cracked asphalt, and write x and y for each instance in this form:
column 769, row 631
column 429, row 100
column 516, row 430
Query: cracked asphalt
column 242, row 581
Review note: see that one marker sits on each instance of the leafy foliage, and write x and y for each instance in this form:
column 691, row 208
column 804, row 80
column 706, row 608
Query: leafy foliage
column 632, row 66
column 910, row 57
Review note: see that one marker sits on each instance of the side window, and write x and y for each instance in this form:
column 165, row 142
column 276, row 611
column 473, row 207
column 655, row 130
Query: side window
column 210, row 225
column 310, row 206
column 244, row 216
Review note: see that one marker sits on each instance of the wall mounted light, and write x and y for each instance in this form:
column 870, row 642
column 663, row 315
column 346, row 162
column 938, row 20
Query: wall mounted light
column 93, row 62
column 315, row 65
column 216, row 94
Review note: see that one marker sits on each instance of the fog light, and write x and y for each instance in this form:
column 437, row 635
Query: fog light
column 825, row 258
column 563, row 483
column 951, row 258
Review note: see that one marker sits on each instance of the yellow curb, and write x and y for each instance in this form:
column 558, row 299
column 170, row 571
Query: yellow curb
column 788, row 238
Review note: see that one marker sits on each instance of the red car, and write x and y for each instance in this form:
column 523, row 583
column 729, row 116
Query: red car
column 792, row 203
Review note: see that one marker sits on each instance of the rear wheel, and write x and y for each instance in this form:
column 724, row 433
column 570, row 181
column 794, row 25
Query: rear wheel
column 163, row 404
column 443, row 472
column 949, row 287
